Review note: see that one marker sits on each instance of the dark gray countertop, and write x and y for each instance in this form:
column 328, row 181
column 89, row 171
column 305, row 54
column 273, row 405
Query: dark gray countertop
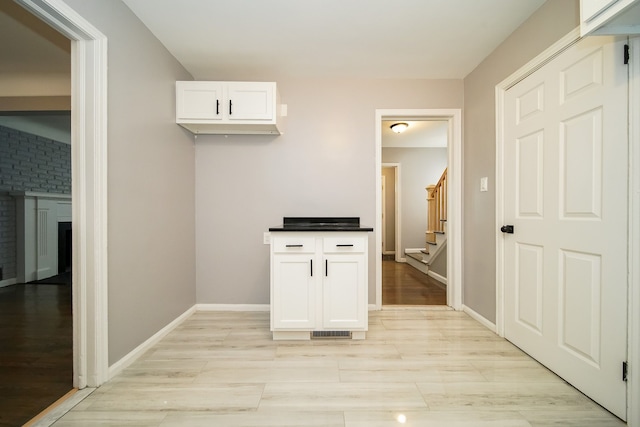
column 321, row 224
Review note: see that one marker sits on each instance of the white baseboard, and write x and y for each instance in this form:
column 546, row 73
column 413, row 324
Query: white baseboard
column 8, row 282
column 232, row 307
column 438, row 277
column 480, row 319
column 131, row 357
column 388, row 252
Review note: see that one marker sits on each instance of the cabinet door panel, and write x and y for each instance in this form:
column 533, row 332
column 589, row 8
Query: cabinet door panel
column 344, row 292
column 293, row 299
column 250, row 101
column 198, row 101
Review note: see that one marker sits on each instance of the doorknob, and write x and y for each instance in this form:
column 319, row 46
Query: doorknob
column 507, row 229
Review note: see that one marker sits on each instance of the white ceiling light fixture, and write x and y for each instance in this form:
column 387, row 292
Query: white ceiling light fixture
column 399, row 127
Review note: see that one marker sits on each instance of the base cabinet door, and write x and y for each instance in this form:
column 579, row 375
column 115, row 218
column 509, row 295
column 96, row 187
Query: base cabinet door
column 293, row 299
column 344, row 301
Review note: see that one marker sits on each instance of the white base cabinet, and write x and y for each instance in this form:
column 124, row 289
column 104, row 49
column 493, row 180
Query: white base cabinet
column 318, row 283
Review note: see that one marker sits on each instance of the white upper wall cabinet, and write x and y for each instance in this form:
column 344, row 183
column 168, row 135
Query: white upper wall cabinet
column 205, row 107
column 600, row 17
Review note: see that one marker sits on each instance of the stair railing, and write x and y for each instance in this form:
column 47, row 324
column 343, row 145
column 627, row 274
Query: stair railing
column 437, row 205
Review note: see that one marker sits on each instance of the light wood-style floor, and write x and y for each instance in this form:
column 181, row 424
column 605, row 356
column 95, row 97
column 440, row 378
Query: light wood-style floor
column 404, row 285
column 432, row 367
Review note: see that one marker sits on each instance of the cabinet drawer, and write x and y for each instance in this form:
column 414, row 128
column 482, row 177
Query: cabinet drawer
column 294, row 244
column 343, row 244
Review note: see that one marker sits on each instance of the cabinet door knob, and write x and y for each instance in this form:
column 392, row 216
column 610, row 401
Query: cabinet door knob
column 311, row 268
column 345, row 246
column 326, row 267
column 230, row 104
column 217, row 107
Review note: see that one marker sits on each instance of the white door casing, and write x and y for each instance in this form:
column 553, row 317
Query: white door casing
column 89, row 187
column 454, row 220
column 397, row 212
column 564, row 166
column 383, row 243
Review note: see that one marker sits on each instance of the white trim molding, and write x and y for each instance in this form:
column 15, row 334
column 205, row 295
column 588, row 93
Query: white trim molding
column 454, row 221
column 89, row 187
column 397, row 200
column 633, row 382
column 233, row 307
column 480, row 318
column 440, row 278
column 135, row 354
column 8, row 282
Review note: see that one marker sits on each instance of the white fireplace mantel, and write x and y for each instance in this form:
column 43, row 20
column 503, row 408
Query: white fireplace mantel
column 37, row 218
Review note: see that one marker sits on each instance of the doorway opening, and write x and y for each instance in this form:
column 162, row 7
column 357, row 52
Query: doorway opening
column 409, row 210
column 416, row 273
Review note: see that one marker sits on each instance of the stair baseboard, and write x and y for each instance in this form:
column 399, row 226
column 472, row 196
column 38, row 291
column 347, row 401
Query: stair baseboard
column 418, row 265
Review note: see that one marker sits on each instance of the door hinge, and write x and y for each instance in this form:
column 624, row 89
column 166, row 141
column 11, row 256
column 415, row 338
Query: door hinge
column 625, row 369
column 626, row 54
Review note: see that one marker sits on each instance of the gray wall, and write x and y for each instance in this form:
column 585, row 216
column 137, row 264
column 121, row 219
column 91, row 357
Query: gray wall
column 419, row 167
column 27, row 163
column 324, row 164
column 150, row 181
column 552, row 21
column 439, row 264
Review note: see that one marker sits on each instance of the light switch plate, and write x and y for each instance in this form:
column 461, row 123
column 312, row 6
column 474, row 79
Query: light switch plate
column 266, row 238
column 484, row 183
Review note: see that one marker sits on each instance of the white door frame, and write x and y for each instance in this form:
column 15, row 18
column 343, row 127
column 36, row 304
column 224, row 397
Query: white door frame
column 397, row 197
column 633, row 385
column 89, row 187
column 384, row 214
column 454, row 210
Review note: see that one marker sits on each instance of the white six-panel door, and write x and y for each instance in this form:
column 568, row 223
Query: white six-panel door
column 565, row 193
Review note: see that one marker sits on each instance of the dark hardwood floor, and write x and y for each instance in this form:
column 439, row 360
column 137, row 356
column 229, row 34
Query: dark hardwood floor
column 36, row 349
column 404, row 285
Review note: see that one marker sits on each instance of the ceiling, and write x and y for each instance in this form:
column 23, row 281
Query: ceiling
column 407, row 39
column 419, row 134
column 274, row 39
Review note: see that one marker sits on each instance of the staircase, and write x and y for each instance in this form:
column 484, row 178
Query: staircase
column 435, row 236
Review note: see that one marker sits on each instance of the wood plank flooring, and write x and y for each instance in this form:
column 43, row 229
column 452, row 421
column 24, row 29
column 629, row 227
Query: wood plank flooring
column 404, row 285
column 36, row 349
column 434, row 367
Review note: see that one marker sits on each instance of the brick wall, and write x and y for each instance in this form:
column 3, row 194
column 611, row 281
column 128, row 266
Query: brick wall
column 27, row 163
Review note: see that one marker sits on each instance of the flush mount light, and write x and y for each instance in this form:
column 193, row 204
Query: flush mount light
column 399, row 127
